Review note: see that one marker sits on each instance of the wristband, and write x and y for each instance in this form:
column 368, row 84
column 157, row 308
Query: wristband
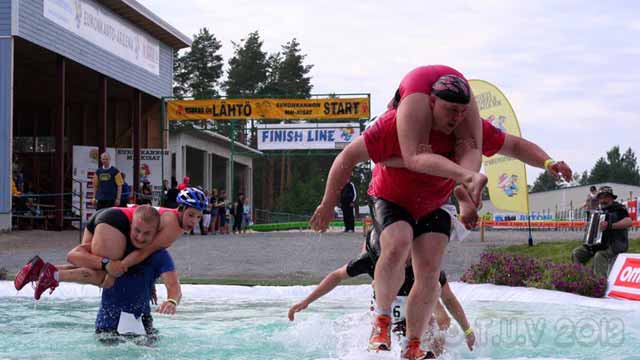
column 469, row 331
column 175, row 303
column 548, row 163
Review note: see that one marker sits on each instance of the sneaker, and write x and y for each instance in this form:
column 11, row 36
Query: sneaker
column 46, row 281
column 29, row 272
column 380, row 338
column 413, row 351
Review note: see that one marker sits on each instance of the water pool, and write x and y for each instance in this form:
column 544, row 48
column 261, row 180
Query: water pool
column 227, row 322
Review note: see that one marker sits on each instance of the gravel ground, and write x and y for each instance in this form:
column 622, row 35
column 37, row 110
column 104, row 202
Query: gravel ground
column 293, row 255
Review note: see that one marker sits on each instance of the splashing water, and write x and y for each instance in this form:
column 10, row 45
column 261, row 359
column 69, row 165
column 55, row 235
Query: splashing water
column 224, row 322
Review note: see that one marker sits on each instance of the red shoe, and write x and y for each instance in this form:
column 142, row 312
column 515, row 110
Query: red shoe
column 29, row 272
column 380, row 334
column 46, row 281
column 413, row 351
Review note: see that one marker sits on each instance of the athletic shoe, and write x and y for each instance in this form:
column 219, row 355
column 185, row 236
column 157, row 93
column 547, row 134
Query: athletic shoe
column 29, row 272
column 46, row 281
column 413, row 351
column 380, row 338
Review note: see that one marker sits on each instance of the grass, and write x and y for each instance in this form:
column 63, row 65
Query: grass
column 295, row 225
column 557, row 252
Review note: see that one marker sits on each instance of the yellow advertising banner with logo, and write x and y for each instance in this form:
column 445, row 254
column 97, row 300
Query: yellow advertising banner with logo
column 507, row 177
column 287, row 109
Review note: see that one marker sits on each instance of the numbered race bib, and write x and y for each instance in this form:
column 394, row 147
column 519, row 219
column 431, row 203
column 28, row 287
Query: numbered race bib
column 398, row 309
column 128, row 324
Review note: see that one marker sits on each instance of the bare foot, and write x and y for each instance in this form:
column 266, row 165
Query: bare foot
column 474, row 185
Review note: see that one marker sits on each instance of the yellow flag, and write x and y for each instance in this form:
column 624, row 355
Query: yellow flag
column 507, row 177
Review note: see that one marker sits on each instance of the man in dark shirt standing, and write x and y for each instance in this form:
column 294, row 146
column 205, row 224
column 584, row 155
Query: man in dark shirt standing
column 615, row 234
column 107, row 184
column 348, row 197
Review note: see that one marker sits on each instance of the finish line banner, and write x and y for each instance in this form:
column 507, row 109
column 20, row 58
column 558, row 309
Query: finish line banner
column 507, row 177
column 306, row 136
column 287, row 109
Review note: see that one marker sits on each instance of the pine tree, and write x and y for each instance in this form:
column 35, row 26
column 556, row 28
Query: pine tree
column 545, row 182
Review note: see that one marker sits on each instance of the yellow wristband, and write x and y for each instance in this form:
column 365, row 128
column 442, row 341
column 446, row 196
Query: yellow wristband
column 548, row 163
column 469, row 331
column 175, row 303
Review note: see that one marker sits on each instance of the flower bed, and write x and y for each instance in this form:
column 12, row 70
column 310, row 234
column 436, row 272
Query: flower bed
column 523, row 270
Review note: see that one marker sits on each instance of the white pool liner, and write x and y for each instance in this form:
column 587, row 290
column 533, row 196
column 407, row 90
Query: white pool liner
column 464, row 292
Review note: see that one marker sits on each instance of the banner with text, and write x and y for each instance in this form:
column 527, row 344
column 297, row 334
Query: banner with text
column 150, row 167
column 507, row 177
column 85, row 162
column 624, row 278
column 306, row 136
column 95, row 24
column 287, row 109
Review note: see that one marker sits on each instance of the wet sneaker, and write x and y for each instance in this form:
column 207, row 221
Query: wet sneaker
column 46, row 281
column 380, row 338
column 413, row 351
column 29, row 272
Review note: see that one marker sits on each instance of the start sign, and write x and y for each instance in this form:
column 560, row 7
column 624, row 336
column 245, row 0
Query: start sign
column 624, row 278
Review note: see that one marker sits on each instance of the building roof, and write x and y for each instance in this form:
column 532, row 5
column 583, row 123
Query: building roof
column 148, row 21
column 211, row 135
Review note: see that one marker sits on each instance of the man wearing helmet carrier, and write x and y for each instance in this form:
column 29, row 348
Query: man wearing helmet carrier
column 114, row 240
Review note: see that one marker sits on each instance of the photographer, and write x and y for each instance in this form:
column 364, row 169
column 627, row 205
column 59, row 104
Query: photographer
column 615, row 234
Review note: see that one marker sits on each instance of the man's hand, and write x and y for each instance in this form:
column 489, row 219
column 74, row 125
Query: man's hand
column 560, row 168
column 116, row 268
column 471, row 340
column 167, row 308
column 321, row 218
column 604, row 225
column 297, row 308
column 468, row 212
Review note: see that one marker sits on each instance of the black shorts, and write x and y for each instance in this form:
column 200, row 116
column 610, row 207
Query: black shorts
column 110, row 216
column 387, row 213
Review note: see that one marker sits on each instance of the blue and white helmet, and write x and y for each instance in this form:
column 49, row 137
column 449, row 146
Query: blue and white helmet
column 193, row 197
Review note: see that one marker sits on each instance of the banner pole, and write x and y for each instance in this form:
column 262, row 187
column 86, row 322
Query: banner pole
column 530, row 236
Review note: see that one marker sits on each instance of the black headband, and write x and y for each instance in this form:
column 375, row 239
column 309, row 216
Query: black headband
column 452, row 88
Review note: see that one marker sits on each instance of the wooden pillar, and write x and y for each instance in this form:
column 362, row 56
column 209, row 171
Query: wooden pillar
column 137, row 124
column 60, row 97
column 102, row 114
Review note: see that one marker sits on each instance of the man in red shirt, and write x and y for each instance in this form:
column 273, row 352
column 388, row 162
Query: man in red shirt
column 408, row 201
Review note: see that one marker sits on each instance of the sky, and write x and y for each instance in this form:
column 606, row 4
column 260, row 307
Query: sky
column 569, row 68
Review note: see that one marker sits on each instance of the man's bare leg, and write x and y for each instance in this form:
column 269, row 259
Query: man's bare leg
column 427, row 253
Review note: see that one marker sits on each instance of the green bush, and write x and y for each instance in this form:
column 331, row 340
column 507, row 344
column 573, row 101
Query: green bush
column 3, row 274
column 523, row 270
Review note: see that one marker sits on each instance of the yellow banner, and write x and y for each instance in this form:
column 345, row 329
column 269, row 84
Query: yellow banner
column 507, row 177
column 289, row 109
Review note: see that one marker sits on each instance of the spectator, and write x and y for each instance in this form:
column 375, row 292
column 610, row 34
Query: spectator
column 214, row 211
column 246, row 216
column 107, row 184
column 615, row 234
column 205, row 220
column 348, row 197
column 165, row 189
column 126, row 191
column 172, row 194
column 223, row 227
column 238, row 213
column 146, row 193
column 185, row 183
column 591, row 203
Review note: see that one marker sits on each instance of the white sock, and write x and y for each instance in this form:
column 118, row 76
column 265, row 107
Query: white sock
column 380, row 311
